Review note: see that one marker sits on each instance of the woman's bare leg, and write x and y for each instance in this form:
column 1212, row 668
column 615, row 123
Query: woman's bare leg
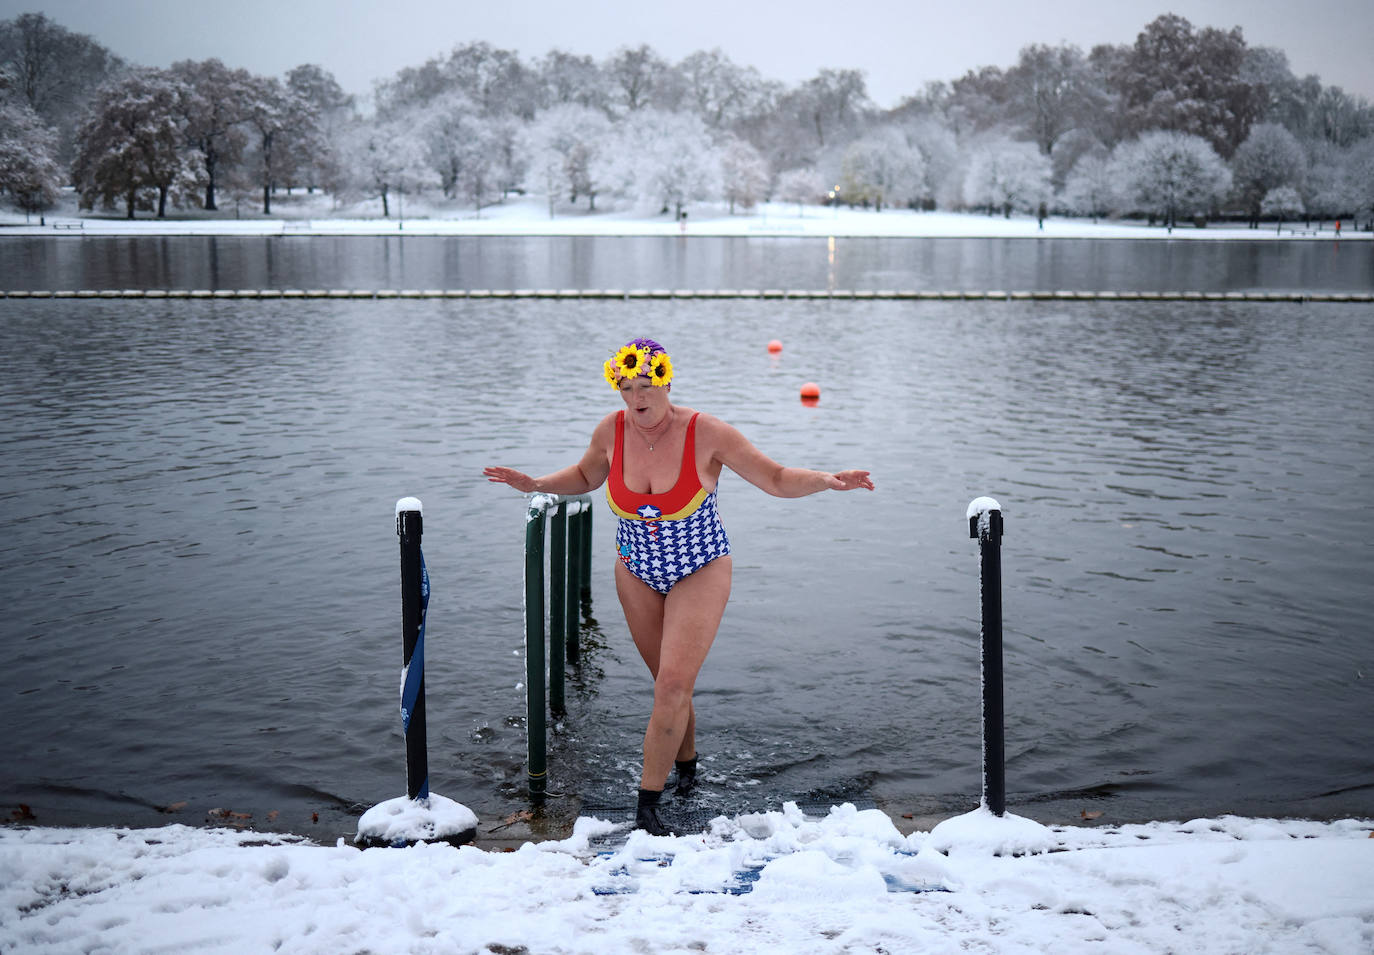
column 673, row 634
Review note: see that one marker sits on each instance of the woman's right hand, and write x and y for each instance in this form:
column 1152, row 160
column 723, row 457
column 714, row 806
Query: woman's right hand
column 517, row 479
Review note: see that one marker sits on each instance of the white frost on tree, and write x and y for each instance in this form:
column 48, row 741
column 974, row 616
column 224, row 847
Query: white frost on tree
column 1166, row 174
column 801, row 186
column 882, row 168
column 1090, row 189
column 383, row 158
column 1281, row 202
column 939, row 148
column 743, row 173
column 131, row 143
column 1007, row 175
column 665, row 160
column 1270, row 157
column 450, row 133
column 284, row 128
column 29, row 174
column 562, row 149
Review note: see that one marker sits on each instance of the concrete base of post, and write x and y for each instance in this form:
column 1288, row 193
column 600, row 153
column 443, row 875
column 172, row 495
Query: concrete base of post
column 403, row 821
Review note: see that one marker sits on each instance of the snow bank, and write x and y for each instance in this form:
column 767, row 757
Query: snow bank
column 529, row 216
column 404, row 820
column 767, row 882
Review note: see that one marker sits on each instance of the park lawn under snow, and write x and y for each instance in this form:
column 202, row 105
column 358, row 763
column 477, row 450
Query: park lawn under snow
column 529, row 215
column 774, row 882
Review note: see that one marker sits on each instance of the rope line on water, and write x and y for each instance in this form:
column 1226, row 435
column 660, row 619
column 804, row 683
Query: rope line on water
column 643, row 294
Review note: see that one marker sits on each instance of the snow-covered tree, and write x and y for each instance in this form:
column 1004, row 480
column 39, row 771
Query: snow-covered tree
column 562, row 146
column 567, row 79
column 634, row 73
column 1090, row 189
column 383, row 157
column 131, row 142
column 1281, row 202
column 830, row 104
column 665, row 160
column 213, row 111
column 509, row 163
column 1189, row 81
column 1005, row 175
column 939, row 149
column 495, row 80
column 29, row 173
column 721, row 92
column 55, row 73
column 314, row 160
column 452, row 134
column 1050, row 91
column 882, row 168
column 801, row 186
column 1168, row 173
column 1326, row 189
column 1269, row 158
column 1358, row 176
column 284, row 127
column 743, row 173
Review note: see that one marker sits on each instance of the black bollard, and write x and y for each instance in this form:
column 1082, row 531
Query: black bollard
column 414, row 602
column 985, row 523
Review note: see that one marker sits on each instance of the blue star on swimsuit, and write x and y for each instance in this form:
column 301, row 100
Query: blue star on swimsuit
column 648, row 512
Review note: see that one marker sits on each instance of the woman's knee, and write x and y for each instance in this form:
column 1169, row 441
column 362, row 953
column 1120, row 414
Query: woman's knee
column 673, row 690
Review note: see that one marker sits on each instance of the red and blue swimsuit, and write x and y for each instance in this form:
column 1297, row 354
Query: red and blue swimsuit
column 662, row 538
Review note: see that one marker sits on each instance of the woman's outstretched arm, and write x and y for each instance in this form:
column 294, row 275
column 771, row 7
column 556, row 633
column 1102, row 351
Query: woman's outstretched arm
column 588, row 474
column 738, row 453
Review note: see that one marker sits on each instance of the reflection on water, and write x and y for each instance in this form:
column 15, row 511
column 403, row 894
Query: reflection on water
column 200, row 560
column 427, row 262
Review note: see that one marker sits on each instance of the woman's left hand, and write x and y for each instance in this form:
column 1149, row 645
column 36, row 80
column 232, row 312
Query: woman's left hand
column 849, row 480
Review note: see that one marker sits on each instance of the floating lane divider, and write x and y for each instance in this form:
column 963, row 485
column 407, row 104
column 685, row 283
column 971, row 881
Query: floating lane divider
column 858, row 295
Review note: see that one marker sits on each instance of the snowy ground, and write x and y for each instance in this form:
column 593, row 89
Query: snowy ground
column 776, row 882
column 304, row 215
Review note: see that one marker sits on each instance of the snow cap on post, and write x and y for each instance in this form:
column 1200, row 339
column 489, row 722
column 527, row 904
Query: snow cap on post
column 977, row 509
column 408, row 505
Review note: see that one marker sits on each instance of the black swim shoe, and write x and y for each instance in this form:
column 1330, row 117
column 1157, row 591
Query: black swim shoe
column 686, row 777
column 646, row 813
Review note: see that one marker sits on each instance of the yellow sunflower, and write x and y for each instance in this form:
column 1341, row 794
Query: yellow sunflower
column 609, row 371
column 661, row 369
column 629, row 361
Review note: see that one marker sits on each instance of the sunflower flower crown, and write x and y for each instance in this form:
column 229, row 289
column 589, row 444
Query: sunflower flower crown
column 643, row 356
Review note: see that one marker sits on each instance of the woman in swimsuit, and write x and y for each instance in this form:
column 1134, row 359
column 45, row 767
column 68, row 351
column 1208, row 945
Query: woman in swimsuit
column 660, row 463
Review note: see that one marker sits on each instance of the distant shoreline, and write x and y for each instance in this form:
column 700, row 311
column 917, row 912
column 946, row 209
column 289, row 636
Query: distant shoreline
column 529, row 217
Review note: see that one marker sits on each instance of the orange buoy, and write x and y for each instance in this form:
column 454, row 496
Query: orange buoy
column 775, row 346
column 811, row 391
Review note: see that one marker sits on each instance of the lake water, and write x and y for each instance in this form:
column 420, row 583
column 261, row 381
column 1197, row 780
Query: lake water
column 201, row 572
column 369, row 262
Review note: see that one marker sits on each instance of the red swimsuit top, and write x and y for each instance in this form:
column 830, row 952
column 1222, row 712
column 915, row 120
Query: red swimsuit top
column 684, row 498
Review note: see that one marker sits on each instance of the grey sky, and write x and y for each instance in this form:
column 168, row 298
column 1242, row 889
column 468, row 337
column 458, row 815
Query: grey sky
column 899, row 44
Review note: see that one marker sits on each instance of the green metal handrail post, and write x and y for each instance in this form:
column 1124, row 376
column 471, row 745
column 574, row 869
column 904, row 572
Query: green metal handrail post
column 573, row 592
column 569, row 558
column 587, row 552
column 534, row 650
column 560, row 608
